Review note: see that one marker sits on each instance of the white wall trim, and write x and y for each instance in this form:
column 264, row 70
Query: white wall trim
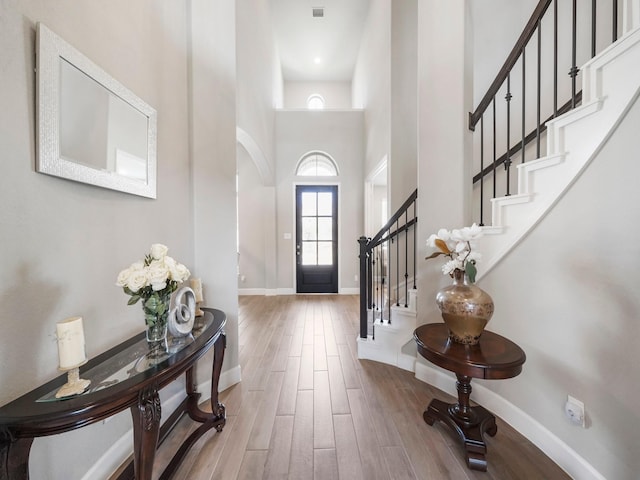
column 256, row 154
column 273, row 292
column 557, row 450
column 286, row 291
column 349, row 291
column 123, row 447
column 255, row 291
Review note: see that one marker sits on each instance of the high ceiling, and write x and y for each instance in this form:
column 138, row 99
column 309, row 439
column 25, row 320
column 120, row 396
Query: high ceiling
column 334, row 38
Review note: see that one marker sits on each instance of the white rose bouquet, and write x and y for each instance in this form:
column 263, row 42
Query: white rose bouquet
column 458, row 246
column 153, row 280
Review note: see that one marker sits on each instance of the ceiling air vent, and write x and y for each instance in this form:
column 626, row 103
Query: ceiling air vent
column 318, row 12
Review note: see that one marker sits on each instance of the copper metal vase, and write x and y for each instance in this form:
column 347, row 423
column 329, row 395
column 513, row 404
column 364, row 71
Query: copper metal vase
column 466, row 309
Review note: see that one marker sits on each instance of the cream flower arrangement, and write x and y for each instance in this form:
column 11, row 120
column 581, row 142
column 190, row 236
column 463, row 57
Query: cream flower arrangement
column 458, row 245
column 153, row 279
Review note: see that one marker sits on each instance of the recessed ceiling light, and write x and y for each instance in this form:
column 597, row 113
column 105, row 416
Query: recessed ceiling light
column 317, row 60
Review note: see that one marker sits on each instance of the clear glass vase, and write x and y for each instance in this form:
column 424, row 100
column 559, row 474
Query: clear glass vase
column 156, row 313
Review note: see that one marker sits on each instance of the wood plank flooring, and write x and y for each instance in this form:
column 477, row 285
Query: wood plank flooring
column 307, row 408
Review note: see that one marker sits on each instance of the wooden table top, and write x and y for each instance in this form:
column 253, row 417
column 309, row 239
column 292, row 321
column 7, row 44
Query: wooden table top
column 494, row 357
column 39, row 413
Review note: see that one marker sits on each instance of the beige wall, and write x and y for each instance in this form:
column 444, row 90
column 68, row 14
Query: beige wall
column 566, row 295
column 63, row 242
column 339, row 134
column 371, row 83
column 403, row 161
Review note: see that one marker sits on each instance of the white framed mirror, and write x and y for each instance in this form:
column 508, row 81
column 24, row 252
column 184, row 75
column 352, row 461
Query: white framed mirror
column 91, row 128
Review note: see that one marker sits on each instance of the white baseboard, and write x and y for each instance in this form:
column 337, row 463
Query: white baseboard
column 252, row 291
column 122, row 448
column 286, row 291
column 112, row 459
column 557, row 450
column 228, row 378
column 349, row 291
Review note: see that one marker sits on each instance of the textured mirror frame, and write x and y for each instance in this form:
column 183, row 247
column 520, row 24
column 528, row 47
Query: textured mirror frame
column 51, row 51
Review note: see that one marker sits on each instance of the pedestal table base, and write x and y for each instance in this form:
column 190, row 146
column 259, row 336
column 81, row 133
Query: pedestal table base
column 470, row 423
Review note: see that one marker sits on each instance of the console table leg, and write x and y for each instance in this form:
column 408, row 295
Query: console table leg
column 218, row 408
column 14, row 457
column 146, row 427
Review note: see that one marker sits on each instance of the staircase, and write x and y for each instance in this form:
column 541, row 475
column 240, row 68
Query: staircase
column 610, row 84
column 391, row 341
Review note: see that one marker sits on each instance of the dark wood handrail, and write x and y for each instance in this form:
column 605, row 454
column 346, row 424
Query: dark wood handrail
column 394, row 218
column 511, row 60
column 393, row 234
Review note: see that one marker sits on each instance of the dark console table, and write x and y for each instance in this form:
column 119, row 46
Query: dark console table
column 126, row 376
column 494, row 357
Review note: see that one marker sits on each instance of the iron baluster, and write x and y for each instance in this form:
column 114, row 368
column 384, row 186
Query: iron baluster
column 414, row 245
column 507, row 163
column 593, row 28
column 524, row 85
column 397, row 264
column 539, row 89
column 555, row 58
column 482, row 170
column 406, row 261
column 493, row 165
column 614, row 35
column 573, row 73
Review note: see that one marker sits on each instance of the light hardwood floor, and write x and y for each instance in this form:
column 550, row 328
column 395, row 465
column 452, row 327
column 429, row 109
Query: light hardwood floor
column 307, row 408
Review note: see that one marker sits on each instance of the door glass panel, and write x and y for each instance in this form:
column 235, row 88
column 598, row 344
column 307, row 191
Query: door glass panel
column 325, row 228
column 309, row 253
column 309, row 228
column 325, row 256
column 325, row 203
column 308, row 204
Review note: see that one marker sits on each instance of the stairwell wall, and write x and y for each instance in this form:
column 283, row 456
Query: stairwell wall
column 566, row 294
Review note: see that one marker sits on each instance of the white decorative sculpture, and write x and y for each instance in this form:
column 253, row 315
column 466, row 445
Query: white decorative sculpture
column 183, row 314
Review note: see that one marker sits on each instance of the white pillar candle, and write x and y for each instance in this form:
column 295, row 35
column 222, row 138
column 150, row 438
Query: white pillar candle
column 71, row 351
column 196, row 286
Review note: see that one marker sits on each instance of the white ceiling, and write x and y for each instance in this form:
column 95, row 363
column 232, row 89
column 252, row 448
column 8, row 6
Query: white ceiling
column 334, row 38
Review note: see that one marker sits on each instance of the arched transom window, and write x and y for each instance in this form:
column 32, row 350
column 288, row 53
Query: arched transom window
column 315, row 102
column 316, row 164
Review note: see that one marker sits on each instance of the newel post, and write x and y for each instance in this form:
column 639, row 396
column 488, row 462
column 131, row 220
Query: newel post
column 363, row 241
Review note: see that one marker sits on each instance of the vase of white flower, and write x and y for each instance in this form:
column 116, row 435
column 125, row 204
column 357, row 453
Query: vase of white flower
column 153, row 280
column 156, row 313
column 466, row 308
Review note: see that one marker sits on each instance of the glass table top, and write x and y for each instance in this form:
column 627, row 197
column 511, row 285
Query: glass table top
column 131, row 361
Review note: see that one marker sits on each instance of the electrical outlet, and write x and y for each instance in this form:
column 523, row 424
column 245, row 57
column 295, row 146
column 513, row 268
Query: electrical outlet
column 355, row 277
column 574, row 409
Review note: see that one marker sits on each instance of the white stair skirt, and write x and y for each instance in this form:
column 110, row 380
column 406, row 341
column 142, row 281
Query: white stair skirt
column 390, row 341
column 573, row 139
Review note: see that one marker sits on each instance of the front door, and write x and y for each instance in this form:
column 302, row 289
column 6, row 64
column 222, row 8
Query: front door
column 317, row 238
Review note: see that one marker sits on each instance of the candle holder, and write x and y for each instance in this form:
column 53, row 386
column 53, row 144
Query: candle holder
column 196, row 286
column 75, row 385
column 72, row 354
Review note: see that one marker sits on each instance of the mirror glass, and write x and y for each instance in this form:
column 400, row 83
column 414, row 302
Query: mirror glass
column 90, row 127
